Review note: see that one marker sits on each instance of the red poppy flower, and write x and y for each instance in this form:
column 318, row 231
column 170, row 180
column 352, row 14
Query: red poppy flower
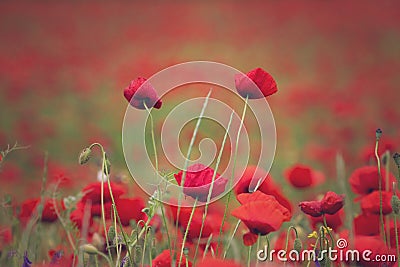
column 302, row 176
column 92, row 192
column 364, row 180
column 269, row 220
column 164, row 260
column 370, row 204
column 139, row 92
column 332, row 203
column 267, row 187
column 130, row 209
column 334, row 221
column 198, row 182
column 212, row 262
column 312, row 208
column 366, row 224
column 262, row 79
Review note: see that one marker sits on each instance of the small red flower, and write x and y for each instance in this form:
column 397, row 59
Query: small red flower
column 164, row 260
column 364, row 180
column 262, row 79
column 6, row 237
column 332, row 203
column 269, row 220
column 130, row 209
column 139, row 92
column 249, row 239
column 302, row 176
column 370, row 204
column 198, row 182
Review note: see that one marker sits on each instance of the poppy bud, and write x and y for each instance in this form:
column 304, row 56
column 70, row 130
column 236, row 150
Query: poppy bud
column 89, row 249
column 111, row 233
column 85, row 155
column 396, row 158
column 185, row 251
column 297, row 245
column 395, row 204
column 378, row 134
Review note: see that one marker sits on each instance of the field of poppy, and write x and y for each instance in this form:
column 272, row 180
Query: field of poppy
column 102, row 166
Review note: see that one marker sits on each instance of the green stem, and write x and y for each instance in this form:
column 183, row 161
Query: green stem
column 380, row 192
column 212, row 186
column 230, row 240
column 287, row 239
column 188, row 157
column 249, row 256
column 397, row 238
column 329, row 232
column 156, row 163
column 232, row 175
column 186, row 232
column 258, row 247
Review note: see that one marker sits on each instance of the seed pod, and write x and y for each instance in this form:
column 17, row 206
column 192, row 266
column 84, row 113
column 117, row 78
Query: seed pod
column 85, row 155
column 89, row 249
column 378, row 134
column 396, row 158
column 297, row 245
column 395, row 204
column 111, row 233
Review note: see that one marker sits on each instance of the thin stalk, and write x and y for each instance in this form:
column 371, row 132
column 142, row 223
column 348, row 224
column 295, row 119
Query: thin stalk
column 329, row 232
column 232, row 175
column 287, row 239
column 258, row 247
column 186, row 232
column 249, row 256
column 380, row 192
column 230, row 240
column 156, row 163
column 212, row 186
column 397, row 238
column 187, row 158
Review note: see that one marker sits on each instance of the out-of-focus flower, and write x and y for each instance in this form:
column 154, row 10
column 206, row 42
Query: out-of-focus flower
column 265, row 84
column 366, row 224
column 139, row 92
column 27, row 262
column 92, row 192
column 302, row 176
column 364, row 180
column 48, row 213
column 6, row 236
column 198, row 182
column 269, row 220
column 267, row 187
column 130, row 209
column 164, row 260
column 370, row 204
